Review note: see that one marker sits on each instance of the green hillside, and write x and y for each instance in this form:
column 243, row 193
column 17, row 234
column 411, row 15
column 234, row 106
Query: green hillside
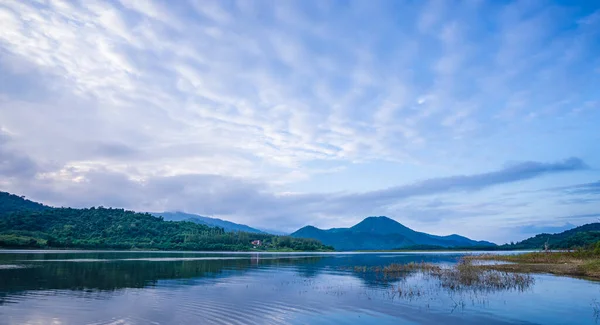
column 10, row 203
column 581, row 236
column 121, row 229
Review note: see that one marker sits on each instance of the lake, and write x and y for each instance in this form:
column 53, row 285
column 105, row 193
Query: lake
column 107, row 287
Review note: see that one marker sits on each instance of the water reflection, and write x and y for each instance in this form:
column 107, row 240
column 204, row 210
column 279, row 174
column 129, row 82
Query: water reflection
column 101, row 271
column 201, row 288
column 115, row 270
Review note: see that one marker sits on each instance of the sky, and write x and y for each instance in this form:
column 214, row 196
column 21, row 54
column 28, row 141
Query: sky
column 480, row 118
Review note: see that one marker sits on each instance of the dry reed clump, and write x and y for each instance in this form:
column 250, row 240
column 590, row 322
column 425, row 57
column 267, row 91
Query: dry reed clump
column 360, row 269
column 574, row 263
column 549, row 257
column 397, row 268
column 462, row 276
column 466, row 276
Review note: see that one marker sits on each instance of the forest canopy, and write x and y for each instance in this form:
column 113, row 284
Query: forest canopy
column 25, row 223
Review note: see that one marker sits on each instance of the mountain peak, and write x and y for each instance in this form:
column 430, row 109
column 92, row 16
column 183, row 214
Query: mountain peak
column 381, row 225
column 379, row 218
column 380, row 232
column 308, row 228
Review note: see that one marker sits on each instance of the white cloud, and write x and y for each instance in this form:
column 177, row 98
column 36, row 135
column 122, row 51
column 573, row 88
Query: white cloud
column 152, row 89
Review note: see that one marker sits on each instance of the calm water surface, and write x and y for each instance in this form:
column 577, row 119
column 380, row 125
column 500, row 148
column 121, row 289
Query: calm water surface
column 79, row 287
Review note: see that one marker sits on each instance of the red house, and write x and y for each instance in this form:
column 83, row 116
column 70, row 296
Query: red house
column 256, row 242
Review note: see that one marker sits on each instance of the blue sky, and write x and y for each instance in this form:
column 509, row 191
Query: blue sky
column 471, row 117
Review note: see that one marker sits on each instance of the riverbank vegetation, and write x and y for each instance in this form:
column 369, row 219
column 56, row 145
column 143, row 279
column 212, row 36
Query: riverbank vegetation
column 584, row 262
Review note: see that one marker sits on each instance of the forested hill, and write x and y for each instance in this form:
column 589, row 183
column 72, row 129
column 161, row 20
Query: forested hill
column 13, row 203
column 95, row 228
column 581, row 236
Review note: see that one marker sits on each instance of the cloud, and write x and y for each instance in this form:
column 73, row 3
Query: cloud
column 535, row 229
column 14, row 164
column 294, row 87
column 243, row 199
column 114, row 150
column 579, row 201
column 595, row 216
column 246, row 102
column 586, row 188
column 512, row 173
column 522, row 231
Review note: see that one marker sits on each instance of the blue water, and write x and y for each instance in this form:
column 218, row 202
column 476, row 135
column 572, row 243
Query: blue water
column 77, row 287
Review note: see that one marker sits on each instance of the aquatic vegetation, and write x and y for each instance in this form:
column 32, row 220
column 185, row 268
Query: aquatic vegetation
column 580, row 262
column 596, row 309
column 408, row 292
column 395, row 267
column 464, row 276
column 467, row 276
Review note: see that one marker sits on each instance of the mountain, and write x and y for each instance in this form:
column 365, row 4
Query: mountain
column 10, row 203
column 375, row 233
column 27, row 224
column 577, row 237
column 211, row 222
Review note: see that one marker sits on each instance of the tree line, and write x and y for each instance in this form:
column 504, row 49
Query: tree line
column 111, row 228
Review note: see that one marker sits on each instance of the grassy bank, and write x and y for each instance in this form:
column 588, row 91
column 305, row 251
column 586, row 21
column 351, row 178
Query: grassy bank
column 581, row 263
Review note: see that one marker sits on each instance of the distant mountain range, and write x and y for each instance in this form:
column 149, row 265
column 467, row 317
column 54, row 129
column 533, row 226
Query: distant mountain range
column 211, row 222
column 382, row 233
column 373, row 233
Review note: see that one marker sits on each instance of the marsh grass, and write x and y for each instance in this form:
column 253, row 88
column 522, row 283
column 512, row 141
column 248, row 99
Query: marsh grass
column 406, row 292
column 408, row 267
column 534, row 257
column 591, row 268
column 596, row 309
column 580, row 262
column 464, row 276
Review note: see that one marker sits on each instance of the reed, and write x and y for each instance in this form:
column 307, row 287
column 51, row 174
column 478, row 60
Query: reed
column 467, row 276
column 584, row 263
column 460, row 277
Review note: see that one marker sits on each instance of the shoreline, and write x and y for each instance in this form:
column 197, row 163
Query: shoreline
column 574, row 264
column 449, row 251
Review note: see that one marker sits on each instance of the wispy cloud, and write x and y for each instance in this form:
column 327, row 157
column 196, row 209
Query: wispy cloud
column 586, row 188
column 538, row 229
column 513, row 173
column 14, row 164
column 251, row 99
column 593, row 216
